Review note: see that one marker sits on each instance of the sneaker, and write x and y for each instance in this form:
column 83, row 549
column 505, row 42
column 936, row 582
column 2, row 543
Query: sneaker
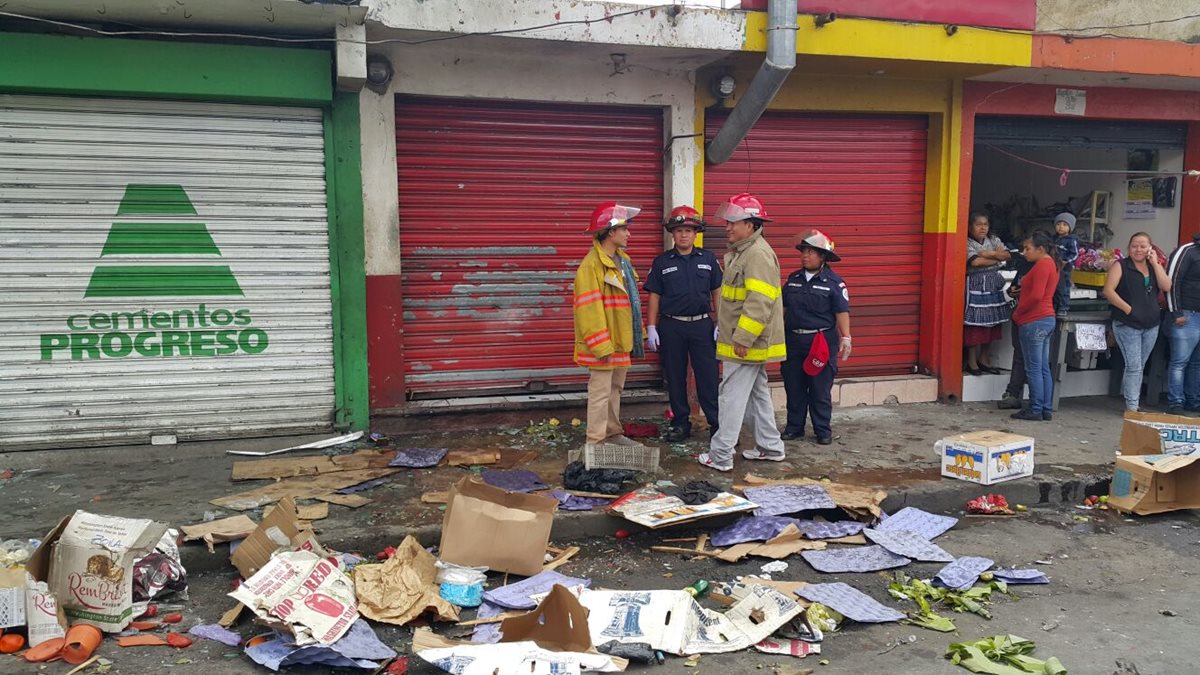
column 1047, row 416
column 1027, row 414
column 622, row 439
column 757, row 454
column 707, row 460
column 1009, row 402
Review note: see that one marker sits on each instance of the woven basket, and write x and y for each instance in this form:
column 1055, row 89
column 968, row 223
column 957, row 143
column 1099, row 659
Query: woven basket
column 613, row 456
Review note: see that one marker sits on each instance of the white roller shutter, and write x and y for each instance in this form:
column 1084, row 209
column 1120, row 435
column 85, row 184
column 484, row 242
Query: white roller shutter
column 164, row 269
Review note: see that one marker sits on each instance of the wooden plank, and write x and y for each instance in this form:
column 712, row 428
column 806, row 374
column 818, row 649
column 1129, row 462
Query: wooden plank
column 685, row 551
column 562, row 559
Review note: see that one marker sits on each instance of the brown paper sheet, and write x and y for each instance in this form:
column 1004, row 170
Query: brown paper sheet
column 403, row 588
column 291, row 467
column 309, row 487
column 351, row 501
column 504, row 531
column 472, row 457
column 854, row 499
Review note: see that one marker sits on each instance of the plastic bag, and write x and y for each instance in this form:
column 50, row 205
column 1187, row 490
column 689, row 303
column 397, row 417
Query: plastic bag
column 461, row 585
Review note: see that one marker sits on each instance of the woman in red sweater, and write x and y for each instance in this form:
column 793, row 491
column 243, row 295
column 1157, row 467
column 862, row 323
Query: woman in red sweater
column 1034, row 319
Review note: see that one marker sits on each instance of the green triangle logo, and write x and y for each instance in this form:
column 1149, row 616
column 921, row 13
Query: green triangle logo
column 146, row 238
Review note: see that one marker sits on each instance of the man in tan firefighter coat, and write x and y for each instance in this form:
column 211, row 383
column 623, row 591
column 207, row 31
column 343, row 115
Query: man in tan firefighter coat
column 750, row 335
column 608, row 320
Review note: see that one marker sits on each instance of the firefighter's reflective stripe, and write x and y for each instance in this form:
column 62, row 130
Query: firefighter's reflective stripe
column 733, row 292
column 751, row 326
column 611, row 361
column 771, row 291
column 597, row 337
column 756, row 354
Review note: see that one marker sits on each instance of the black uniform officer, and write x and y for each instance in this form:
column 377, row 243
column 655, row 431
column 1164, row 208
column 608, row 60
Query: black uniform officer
column 816, row 305
column 683, row 283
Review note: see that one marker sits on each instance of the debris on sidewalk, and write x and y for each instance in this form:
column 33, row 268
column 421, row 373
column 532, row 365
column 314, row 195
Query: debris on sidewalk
column 571, row 502
column 778, row 500
column 789, row 541
column 908, row 544
column 1149, row 484
column 1002, row 655
column 219, row 531
column 516, row 480
column 160, row 573
column 962, row 573
column 650, row 507
column 88, row 562
column 1146, row 433
column 797, row 648
column 1015, row 576
column 485, row 526
column 600, row 481
column 860, row 503
column 986, row 457
column 216, row 633
column 820, row 529
column 304, row 593
column 303, row 487
column 640, row 429
column 315, row 445
column 923, row 523
column 751, row 528
column 473, row 457
column 459, row 585
column 297, row 467
column 402, row 588
column 419, row 458
column 280, row 527
column 849, row 602
column 989, row 505
column 358, row 648
column 862, row 559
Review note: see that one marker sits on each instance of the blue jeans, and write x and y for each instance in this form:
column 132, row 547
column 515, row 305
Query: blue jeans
column 1136, row 345
column 1183, row 373
column 1035, row 347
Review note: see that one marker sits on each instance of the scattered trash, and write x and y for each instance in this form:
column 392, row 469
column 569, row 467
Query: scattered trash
column 358, row 648
column 649, row 506
column 859, row 502
column 864, row 559
column 142, row 640
column 517, row 480
column 922, row 523
column 304, row 591
column 520, row 595
column 777, row 500
column 369, row 484
column 503, row 531
column 849, row 602
column 908, row 544
column 751, row 528
column 640, row 430
column 418, row 458
column 773, row 567
column 219, row 531
column 817, row 529
column 403, row 588
column 462, row 586
column 601, row 481
column 1015, row 576
column 989, row 505
column 159, row 572
column 11, row 643
column 962, row 573
column 694, row 492
column 986, row 457
column 1002, row 654
column 899, row 642
column 315, row 445
column 782, row 545
column 178, row 640
column 797, row 648
column 1167, row 612
column 217, row 633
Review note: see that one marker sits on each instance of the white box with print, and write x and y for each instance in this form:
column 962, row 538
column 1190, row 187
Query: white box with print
column 986, row 457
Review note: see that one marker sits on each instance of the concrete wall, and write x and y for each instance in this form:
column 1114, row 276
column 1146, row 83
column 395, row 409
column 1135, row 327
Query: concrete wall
column 997, row 177
column 1115, row 17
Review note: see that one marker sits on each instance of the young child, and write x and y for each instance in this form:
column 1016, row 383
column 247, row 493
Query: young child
column 1068, row 251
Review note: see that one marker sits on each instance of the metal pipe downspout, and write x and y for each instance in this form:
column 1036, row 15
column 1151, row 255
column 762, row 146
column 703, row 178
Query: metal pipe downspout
column 780, row 60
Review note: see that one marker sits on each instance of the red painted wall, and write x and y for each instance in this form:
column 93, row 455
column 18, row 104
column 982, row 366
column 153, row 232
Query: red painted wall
column 1015, row 14
column 385, row 339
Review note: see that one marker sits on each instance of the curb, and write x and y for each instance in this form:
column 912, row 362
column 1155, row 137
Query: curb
column 938, row 497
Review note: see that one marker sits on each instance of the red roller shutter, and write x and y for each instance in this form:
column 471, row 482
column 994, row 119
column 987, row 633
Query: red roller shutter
column 494, row 198
column 860, row 179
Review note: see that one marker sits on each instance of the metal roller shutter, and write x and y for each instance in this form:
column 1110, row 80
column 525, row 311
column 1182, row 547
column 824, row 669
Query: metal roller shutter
column 1066, row 133
column 164, row 268
column 860, row 179
column 494, row 199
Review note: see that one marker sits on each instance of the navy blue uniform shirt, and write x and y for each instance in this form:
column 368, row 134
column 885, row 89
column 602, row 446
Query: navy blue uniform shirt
column 812, row 304
column 685, row 283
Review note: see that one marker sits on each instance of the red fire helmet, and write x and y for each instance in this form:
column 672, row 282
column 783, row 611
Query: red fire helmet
column 610, row 214
column 685, row 215
column 741, row 207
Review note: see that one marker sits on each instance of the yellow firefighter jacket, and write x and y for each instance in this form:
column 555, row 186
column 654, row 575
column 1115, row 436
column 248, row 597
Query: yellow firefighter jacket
column 750, row 312
column 603, row 313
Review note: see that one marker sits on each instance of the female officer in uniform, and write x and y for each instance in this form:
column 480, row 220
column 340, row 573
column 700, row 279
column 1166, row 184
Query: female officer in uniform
column 815, row 302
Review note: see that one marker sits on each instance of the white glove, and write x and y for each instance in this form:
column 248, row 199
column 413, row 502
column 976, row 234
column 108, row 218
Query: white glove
column 844, row 348
column 715, row 332
column 652, row 338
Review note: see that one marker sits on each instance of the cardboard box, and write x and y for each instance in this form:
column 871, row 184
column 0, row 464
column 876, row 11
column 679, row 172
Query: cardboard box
column 504, row 531
column 1159, row 434
column 87, row 562
column 986, row 457
column 1158, row 469
column 12, row 598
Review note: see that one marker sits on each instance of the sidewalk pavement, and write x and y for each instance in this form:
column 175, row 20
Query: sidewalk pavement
column 889, row 447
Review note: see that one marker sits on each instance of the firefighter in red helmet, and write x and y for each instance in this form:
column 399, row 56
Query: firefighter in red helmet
column 750, row 335
column 608, row 324
column 684, row 285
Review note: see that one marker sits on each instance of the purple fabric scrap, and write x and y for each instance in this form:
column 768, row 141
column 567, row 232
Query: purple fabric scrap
column 909, row 545
column 849, row 602
column 857, row 559
column 778, row 500
column 750, row 528
column 927, row 525
column 358, row 648
column 365, row 485
column 487, row 633
column 517, row 480
column 1015, row 576
column 418, row 458
column 215, row 632
column 962, row 573
column 814, row 529
column 570, row 502
column 517, row 596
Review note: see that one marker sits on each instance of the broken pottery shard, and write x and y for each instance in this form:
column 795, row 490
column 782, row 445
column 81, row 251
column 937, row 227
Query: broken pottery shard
column 751, row 528
column 962, row 573
column 517, row 480
column 815, row 529
column 418, row 458
column 520, row 595
column 1014, row 576
column 849, row 602
column 927, row 525
column 864, row 559
column 777, row 500
column 909, row 545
